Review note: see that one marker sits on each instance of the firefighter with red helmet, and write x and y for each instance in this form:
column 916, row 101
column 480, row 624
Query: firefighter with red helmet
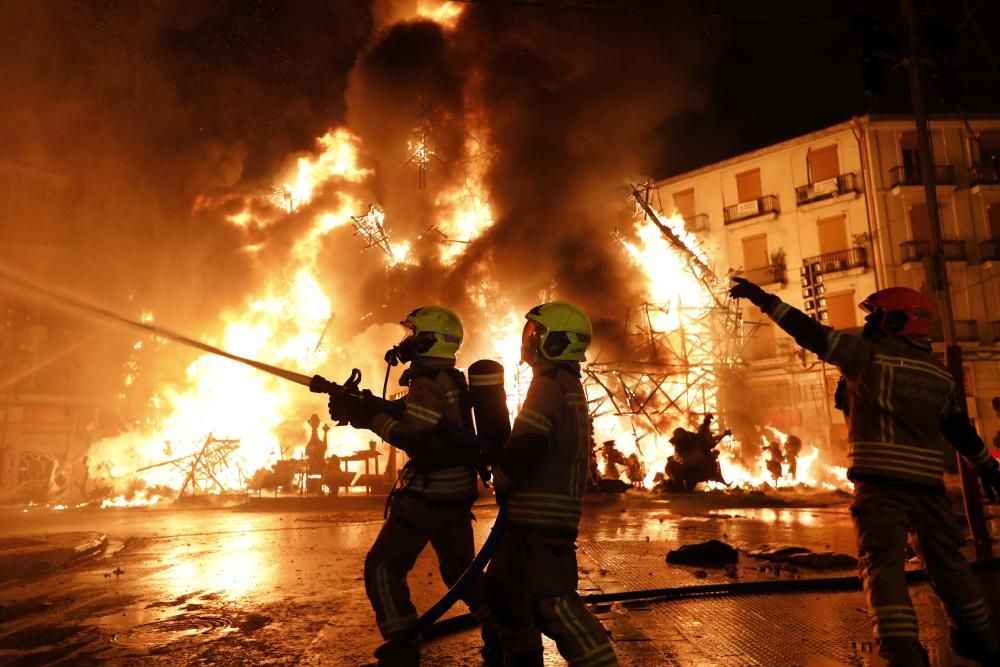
column 902, row 411
column 437, row 486
column 532, row 579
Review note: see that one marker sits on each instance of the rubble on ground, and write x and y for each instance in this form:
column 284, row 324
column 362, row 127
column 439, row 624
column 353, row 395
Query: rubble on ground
column 705, row 554
column 807, row 558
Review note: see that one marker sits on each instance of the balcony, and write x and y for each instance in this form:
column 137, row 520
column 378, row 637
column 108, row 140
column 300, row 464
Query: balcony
column 987, row 174
column 766, row 275
column 909, row 176
column 842, row 260
column 989, row 251
column 696, row 223
column 915, row 251
column 826, row 189
column 966, row 331
column 750, row 209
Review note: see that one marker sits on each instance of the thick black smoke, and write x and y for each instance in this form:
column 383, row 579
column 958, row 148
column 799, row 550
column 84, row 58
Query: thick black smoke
column 570, row 101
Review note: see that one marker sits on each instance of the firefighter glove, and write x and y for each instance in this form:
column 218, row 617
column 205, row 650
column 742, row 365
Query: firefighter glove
column 989, row 473
column 338, row 408
column 361, row 410
column 744, row 289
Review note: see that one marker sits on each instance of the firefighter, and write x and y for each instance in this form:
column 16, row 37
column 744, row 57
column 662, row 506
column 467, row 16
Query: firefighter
column 532, row 579
column 437, row 486
column 902, row 411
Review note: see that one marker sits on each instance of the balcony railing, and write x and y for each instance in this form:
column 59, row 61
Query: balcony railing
column 989, row 251
column 830, row 262
column 914, row 251
column 766, row 275
column 750, row 209
column 826, row 189
column 944, row 174
column 696, row 223
column 966, row 331
column 984, row 174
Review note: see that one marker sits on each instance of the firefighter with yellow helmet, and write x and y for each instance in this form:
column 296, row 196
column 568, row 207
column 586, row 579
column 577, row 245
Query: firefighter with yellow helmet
column 902, row 412
column 437, row 486
column 532, row 579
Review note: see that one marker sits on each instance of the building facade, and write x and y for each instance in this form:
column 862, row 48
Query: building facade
column 43, row 405
column 827, row 218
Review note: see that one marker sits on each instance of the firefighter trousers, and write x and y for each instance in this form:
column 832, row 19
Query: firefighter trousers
column 413, row 522
column 884, row 518
column 531, row 583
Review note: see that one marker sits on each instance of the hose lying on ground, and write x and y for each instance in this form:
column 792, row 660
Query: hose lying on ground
column 771, row 586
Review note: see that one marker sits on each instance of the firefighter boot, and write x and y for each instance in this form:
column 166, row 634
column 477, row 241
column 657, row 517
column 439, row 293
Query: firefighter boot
column 530, row 658
column 491, row 652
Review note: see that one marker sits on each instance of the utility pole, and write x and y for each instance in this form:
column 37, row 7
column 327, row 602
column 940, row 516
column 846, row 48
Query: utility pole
column 937, row 274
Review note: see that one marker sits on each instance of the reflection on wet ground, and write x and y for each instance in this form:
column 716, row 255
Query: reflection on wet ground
column 235, row 587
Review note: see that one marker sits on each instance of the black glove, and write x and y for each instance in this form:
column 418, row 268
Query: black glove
column 744, row 289
column 361, row 410
column 354, row 409
column 338, row 408
column 989, row 473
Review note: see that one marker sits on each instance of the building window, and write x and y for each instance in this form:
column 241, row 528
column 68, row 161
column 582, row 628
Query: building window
column 920, row 223
column 684, row 203
column 910, row 151
column 755, row 252
column 989, row 149
column 842, row 308
column 993, row 216
column 832, row 234
column 748, row 187
column 823, row 163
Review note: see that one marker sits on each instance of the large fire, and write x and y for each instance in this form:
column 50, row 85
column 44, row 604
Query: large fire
column 285, row 321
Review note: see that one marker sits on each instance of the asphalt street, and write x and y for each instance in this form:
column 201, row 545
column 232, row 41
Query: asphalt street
column 196, row 586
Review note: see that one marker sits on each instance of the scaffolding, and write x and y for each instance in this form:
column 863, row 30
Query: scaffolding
column 662, row 377
column 371, row 228
column 421, row 146
column 203, row 468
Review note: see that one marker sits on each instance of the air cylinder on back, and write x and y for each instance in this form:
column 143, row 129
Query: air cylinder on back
column 489, row 402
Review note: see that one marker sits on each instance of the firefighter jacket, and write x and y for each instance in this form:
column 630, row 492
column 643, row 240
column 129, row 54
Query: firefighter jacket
column 899, row 398
column 440, row 470
column 545, row 461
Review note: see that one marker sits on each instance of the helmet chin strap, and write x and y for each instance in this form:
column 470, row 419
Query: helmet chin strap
column 873, row 326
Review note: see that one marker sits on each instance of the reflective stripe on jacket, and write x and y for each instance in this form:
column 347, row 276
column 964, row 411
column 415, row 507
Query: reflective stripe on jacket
column 431, row 396
column 552, row 494
column 897, row 395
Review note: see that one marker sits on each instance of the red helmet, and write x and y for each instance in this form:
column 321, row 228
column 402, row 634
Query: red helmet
column 905, row 311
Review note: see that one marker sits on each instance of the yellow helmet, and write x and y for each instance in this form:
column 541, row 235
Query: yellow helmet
column 433, row 331
column 557, row 331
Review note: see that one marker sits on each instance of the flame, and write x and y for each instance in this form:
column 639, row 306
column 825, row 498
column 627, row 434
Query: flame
column 465, row 211
column 442, row 12
column 227, row 401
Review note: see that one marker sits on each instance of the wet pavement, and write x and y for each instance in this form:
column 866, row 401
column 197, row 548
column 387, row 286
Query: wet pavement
column 235, row 587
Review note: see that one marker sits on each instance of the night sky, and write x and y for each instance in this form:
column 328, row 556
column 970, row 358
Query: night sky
column 787, row 68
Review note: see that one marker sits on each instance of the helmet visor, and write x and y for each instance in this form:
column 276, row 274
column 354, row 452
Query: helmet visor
column 531, row 339
column 531, row 334
column 409, row 329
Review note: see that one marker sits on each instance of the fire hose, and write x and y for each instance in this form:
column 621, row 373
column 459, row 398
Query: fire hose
column 731, row 589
